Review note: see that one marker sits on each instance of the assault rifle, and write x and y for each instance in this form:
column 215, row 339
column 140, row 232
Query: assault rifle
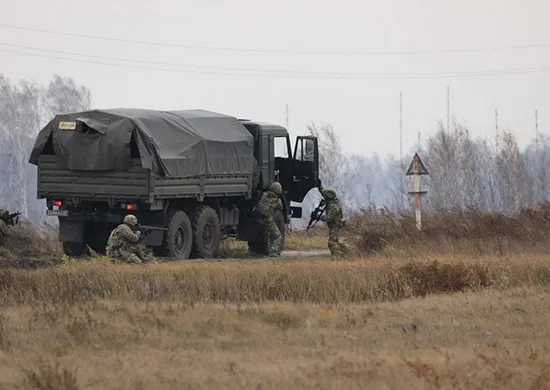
column 145, row 230
column 10, row 219
column 316, row 214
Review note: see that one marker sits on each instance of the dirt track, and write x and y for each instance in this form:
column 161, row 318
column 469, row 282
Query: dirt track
column 284, row 255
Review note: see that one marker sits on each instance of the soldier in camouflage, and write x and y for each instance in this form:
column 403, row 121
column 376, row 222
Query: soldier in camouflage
column 124, row 242
column 335, row 222
column 268, row 205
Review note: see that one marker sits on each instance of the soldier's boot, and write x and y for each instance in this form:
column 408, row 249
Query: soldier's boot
column 343, row 249
column 333, row 246
column 142, row 254
column 276, row 247
column 130, row 258
column 136, row 260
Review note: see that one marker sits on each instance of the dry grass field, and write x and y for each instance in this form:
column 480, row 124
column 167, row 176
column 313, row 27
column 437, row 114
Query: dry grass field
column 296, row 324
column 453, row 307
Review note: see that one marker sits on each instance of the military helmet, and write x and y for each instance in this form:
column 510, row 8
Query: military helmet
column 130, row 220
column 328, row 193
column 276, row 187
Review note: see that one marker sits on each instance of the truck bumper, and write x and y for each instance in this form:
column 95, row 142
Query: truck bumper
column 80, row 227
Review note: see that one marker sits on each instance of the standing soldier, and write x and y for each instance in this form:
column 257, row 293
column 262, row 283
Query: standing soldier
column 268, row 205
column 335, row 222
column 124, row 242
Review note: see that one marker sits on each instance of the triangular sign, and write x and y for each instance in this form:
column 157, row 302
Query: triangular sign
column 416, row 167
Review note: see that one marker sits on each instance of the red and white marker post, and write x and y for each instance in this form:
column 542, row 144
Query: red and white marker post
column 416, row 169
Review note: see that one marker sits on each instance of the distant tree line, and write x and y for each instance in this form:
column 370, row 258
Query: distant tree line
column 464, row 171
column 26, row 107
column 491, row 175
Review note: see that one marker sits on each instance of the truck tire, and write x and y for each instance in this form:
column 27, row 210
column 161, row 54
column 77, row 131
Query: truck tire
column 179, row 237
column 74, row 249
column 260, row 247
column 206, row 233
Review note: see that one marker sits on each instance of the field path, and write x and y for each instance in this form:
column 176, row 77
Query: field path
column 290, row 254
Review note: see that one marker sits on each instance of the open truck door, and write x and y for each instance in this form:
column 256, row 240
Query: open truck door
column 305, row 168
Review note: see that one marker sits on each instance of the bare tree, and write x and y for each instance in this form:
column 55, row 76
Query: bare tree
column 442, row 156
column 24, row 109
column 63, row 96
column 537, row 158
column 515, row 184
column 331, row 157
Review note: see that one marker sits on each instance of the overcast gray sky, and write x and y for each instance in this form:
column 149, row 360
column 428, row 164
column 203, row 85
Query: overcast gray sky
column 355, row 89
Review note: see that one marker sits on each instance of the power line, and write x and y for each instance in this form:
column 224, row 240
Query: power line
column 197, row 66
column 334, row 76
column 273, row 71
column 284, row 51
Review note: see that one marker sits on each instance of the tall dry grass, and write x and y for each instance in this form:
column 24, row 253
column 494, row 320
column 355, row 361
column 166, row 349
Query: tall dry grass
column 440, row 320
column 476, row 340
column 30, row 246
column 369, row 232
column 467, row 231
column 317, row 281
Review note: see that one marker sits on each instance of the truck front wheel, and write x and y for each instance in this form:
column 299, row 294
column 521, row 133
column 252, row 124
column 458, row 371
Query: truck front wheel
column 206, row 233
column 179, row 237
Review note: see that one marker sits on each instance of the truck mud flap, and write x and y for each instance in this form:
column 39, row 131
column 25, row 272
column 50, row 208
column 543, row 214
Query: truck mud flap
column 154, row 238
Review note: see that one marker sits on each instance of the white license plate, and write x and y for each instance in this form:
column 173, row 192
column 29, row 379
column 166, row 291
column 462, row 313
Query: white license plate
column 57, row 213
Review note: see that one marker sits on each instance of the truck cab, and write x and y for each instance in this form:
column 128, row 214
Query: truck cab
column 297, row 169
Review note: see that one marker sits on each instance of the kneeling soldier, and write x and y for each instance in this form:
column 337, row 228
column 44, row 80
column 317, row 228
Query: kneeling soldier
column 124, row 242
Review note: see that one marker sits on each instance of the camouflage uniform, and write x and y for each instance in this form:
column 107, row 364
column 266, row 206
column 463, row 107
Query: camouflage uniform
column 268, row 205
column 335, row 222
column 123, row 243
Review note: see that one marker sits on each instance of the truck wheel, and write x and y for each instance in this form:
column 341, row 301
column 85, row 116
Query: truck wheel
column 206, row 233
column 261, row 247
column 179, row 237
column 74, row 249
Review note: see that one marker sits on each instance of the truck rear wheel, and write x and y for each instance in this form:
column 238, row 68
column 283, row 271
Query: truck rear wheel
column 206, row 233
column 179, row 237
column 261, row 247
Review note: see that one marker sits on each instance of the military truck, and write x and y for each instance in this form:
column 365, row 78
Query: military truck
column 196, row 174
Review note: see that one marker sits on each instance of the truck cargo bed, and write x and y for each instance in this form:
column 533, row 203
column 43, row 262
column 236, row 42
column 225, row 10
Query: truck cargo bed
column 135, row 183
column 52, row 181
column 174, row 187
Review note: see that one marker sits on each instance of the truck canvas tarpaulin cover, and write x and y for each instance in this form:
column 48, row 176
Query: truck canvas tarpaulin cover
column 172, row 143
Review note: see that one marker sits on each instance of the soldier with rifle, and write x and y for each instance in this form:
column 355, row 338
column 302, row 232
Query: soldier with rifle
column 7, row 219
column 268, row 204
column 334, row 219
column 125, row 241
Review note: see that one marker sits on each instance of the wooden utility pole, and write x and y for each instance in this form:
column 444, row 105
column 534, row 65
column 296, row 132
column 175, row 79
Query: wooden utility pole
column 537, row 128
column 287, row 117
column 448, row 108
column 401, row 128
column 496, row 129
